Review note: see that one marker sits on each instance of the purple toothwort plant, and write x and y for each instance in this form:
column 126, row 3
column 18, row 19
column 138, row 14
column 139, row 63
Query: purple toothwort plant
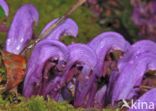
column 5, row 7
column 76, row 73
column 21, row 30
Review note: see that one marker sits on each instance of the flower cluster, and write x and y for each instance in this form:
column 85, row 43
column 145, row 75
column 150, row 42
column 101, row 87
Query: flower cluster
column 102, row 72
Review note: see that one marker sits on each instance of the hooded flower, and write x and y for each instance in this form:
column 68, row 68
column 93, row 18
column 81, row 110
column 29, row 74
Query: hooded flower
column 21, row 29
column 140, row 47
column 47, row 54
column 5, row 7
column 81, row 63
column 139, row 61
column 67, row 28
column 87, row 61
column 105, row 43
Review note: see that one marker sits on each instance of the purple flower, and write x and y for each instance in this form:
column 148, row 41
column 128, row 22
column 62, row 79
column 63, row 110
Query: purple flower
column 5, row 7
column 139, row 59
column 105, row 43
column 68, row 28
column 149, row 99
column 47, row 55
column 21, row 29
column 81, row 64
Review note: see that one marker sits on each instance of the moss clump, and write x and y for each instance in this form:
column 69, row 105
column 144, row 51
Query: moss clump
column 39, row 104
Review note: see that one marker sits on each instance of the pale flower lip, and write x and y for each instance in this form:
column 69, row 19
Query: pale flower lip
column 44, row 51
column 21, row 30
column 67, row 28
column 5, row 7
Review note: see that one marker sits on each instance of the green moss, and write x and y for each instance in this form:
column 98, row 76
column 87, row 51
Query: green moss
column 39, row 104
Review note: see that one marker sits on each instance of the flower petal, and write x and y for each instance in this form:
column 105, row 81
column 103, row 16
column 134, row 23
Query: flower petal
column 82, row 53
column 140, row 47
column 106, row 42
column 68, row 28
column 21, row 29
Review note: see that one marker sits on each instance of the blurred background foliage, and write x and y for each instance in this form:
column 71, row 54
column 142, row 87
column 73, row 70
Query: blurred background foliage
column 89, row 23
column 51, row 9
